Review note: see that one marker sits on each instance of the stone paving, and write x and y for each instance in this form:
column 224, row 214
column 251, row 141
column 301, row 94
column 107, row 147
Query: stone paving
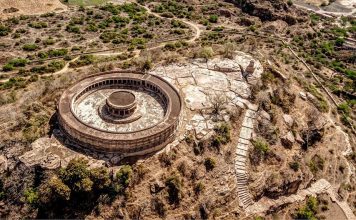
column 148, row 106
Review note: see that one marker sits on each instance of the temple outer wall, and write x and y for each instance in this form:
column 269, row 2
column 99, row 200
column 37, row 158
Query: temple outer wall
column 129, row 147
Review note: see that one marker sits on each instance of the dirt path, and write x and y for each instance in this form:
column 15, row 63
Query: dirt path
column 196, row 36
column 192, row 25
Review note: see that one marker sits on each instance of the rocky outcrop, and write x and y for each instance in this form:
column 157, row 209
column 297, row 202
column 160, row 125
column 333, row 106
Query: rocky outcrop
column 282, row 184
column 270, row 10
column 3, row 163
column 288, row 140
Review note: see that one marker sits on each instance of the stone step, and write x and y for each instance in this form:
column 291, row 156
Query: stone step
column 246, row 201
column 242, row 191
column 245, row 198
column 241, row 167
column 242, row 183
column 241, row 152
column 241, row 159
column 246, row 133
column 243, row 146
column 241, row 176
column 237, row 171
column 242, row 188
column 243, row 141
column 248, row 122
column 240, row 163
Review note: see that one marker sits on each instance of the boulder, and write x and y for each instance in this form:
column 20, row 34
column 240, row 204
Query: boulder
column 303, row 96
column 288, row 120
column 288, row 140
column 156, row 186
column 284, row 184
column 265, row 115
column 3, row 163
column 299, row 139
column 310, row 96
column 52, row 161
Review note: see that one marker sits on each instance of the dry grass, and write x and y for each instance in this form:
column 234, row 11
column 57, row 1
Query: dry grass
column 30, row 7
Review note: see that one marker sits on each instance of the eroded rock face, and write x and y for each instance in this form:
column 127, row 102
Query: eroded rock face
column 49, row 153
column 311, row 136
column 275, row 184
column 288, row 120
column 283, row 184
column 271, row 10
column 288, row 140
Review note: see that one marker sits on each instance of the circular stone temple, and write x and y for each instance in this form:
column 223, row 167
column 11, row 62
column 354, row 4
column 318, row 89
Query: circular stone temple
column 121, row 104
column 129, row 113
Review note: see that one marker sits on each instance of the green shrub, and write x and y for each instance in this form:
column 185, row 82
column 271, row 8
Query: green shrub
column 83, row 60
column 54, row 66
column 31, row 196
column 4, row 30
column 38, row 25
column 72, row 28
column 213, row 18
column 344, row 108
column 316, row 164
column 8, row 67
column 57, row 52
column 100, row 177
column 308, row 211
column 123, row 177
column 174, row 185
column 199, row 188
column 30, row 47
column 260, row 146
column 209, row 163
column 92, row 28
column 294, row 166
column 49, row 41
column 58, row 189
column 205, row 53
column 18, row 62
column 76, row 175
column 339, row 41
column 16, row 82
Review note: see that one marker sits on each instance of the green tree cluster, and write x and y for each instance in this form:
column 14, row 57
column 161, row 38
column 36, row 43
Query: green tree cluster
column 308, row 211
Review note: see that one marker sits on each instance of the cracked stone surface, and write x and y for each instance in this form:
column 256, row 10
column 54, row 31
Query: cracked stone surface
column 148, row 107
column 201, row 82
column 49, row 153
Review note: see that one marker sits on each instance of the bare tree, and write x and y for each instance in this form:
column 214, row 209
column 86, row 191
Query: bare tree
column 218, row 101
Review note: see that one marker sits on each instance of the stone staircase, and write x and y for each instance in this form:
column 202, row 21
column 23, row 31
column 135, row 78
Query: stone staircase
column 242, row 148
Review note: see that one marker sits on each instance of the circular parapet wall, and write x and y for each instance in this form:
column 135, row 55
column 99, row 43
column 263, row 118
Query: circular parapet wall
column 121, row 112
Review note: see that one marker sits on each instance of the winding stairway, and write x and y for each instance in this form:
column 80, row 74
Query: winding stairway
column 242, row 148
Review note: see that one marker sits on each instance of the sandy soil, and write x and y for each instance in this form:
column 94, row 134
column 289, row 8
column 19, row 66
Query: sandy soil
column 29, row 7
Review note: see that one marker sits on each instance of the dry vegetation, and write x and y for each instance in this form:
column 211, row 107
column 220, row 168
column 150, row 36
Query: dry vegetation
column 195, row 180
